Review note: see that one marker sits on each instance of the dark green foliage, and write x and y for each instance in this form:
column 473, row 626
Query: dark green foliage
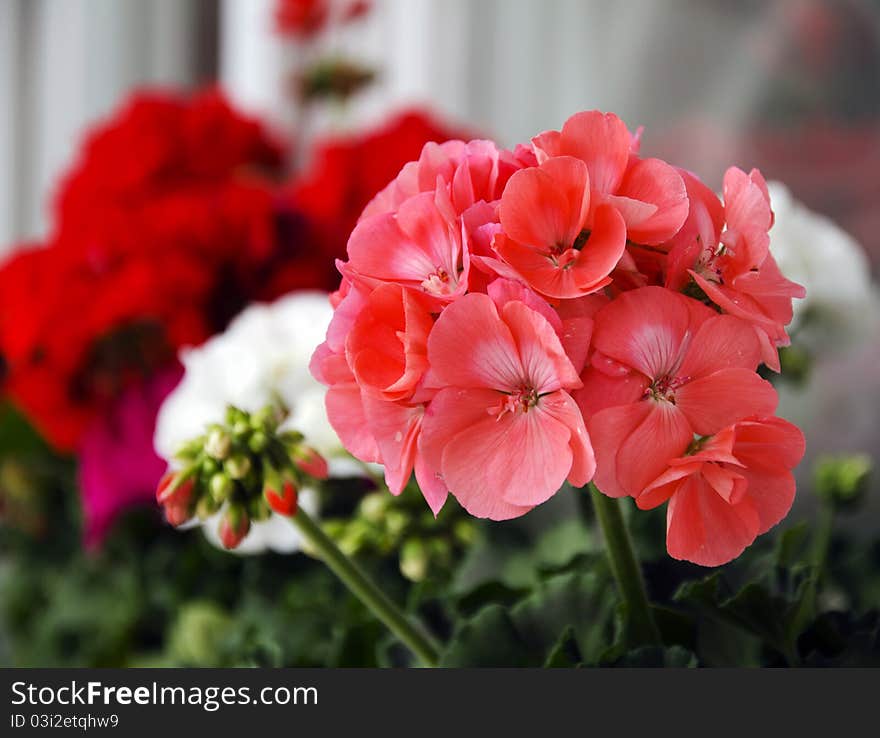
column 532, row 592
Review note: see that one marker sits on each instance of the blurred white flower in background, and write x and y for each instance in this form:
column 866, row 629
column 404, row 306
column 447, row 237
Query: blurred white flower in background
column 263, row 354
column 813, row 251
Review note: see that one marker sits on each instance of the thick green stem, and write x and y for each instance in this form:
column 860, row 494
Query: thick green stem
column 642, row 628
column 363, row 588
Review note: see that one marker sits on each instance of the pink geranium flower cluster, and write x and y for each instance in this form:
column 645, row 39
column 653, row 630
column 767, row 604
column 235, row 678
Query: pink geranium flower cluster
column 569, row 310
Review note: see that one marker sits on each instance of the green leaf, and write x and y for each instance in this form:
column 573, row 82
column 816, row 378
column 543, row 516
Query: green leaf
column 565, row 652
column 488, row 593
column 490, row 638
column 658, row 657
column 584, row 601
column 566, row 618
column 777, row 619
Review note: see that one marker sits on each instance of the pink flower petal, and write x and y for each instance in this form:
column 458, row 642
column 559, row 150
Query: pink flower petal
column 452, row 412
column 561, row 406
column 722, row 342
column 470, row 346
column 345, row 411
column 712, row 402
column 395, row 427
column 643, row 329
column 771, row 494
column 655, row 182
column 539, row 210
column 545, row 364
column 704, row 529
column 519, row 459
column 601, row 140
column 608, row 429
column 769, row 444
column 664, row 434
column 601, row 391
column 430, row 482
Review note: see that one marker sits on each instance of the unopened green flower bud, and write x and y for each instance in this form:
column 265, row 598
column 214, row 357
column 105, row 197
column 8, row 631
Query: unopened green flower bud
column 291, row 438
column 464, row 532
column 210, row 467
column 414, row 560
column 267, row 418
column 396, row 522
column 237, row 466
column 241, row 429
column 189, row 450
column 218, row 443
column 258, row 442
column 221, row 487
column 234, row 415
column 206, row 507
column 843, row 479
column 354, row 537
column 374, row 505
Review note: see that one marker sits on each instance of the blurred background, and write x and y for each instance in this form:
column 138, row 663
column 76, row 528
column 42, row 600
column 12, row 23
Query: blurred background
column 791, row 87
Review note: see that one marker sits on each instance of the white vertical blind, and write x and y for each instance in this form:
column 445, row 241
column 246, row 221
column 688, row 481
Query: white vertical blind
column 9, row 187
column 63, row 65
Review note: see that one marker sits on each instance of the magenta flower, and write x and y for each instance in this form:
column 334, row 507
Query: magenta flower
column 118, row 468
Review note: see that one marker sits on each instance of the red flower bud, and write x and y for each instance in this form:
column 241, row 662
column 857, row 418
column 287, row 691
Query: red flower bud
column 170, row 492
column 311, row 462
column 177, row 514
column 283, row 502
column 234, row 527
column 175, row 498
column 164, row 484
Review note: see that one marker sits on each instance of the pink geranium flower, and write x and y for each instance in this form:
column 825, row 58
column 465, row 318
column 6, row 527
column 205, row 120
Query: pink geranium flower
column 422, row 245
column 497, row 305
column 727, row 489
column 504, row 433
column 649, row 194
column 723, row 251
column 552, row 237
column 664, row 368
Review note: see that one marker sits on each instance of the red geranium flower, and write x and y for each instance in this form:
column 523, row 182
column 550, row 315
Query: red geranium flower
column 162, row 232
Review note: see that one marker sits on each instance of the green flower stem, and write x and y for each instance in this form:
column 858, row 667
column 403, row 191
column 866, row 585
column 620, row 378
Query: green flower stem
column 421, row 644
column 618, row 544
column 818, row 555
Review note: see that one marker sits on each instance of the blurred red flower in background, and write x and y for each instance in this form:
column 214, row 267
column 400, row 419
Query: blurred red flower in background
column 162, row 232
column 171, row 221
column 304, row 19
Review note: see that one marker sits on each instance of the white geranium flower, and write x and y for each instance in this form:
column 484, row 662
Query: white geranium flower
column 263, row 354
column 813, row 251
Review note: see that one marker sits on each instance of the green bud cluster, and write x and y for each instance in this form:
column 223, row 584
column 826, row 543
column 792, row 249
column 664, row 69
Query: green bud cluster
column 385, row 525
column 243, row 467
